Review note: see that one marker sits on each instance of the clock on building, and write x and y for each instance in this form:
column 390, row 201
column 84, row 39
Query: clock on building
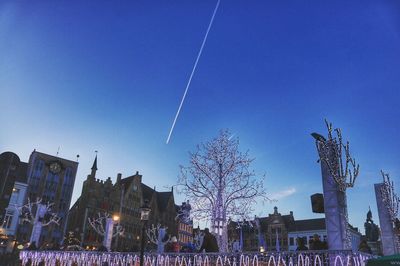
column 55, row 167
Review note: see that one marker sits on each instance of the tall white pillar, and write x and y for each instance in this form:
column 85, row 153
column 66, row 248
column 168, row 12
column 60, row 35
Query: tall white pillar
column 335, row 205
column 388, row 237
column 37, row 225
column 108, row 234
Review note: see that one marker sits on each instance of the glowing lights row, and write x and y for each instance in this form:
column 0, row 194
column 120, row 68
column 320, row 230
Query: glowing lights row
column 122, row 259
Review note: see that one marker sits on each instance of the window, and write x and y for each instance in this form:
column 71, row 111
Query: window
column 8, row 219
column 291, row 241
column 14, row 196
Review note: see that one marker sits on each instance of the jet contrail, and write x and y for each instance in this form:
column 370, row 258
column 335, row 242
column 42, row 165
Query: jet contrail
column 194, row 68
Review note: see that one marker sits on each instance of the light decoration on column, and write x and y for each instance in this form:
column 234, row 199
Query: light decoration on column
column 343, row 170
column 342, row 167
column 240, row 224
column 44, row 216
column 261, row 240
column 391, row 200
column 102, row 223
column 389, row 197
column 158, row 235
column 26, row 213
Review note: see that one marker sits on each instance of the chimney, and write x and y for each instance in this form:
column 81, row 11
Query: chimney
column 119, row 176
column 291, row 213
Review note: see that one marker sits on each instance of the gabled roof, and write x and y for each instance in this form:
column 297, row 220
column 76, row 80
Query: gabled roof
column 162, row 200
column 265, row 221
column 308, row 225
column 147, row 192
column 126, row 182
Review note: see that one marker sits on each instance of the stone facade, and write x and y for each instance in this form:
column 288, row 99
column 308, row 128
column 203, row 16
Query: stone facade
column 123, row 198
column 281, row 231
column 307, row 229
column 51, row 179
column 184, row 224
column 274, row 230
column 11, row 170
column 11, row 220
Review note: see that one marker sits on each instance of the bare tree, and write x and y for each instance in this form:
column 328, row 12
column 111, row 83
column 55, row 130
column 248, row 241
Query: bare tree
column 107, row 227
column 158, row 235
column 99, row 225
column 39, row 215
column 220, row 184
column 26, row 212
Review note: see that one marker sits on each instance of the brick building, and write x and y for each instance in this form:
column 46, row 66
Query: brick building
column 274, row 230
column 123, row 198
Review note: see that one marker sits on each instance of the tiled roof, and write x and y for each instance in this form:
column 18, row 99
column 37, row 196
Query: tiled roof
column 308, row 225
column 147, row 192
column 162, row 200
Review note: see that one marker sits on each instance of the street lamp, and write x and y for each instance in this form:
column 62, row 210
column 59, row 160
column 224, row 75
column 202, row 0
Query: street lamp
column 144, row 217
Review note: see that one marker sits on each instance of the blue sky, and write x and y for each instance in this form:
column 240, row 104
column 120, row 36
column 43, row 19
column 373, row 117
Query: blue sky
column 96, row 75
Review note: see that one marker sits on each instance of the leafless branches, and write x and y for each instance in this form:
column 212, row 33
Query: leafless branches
column 389, row 196
column 157, row 234
column 337, row 158
column 46, row 215
column 99, row 225
column 218, row 169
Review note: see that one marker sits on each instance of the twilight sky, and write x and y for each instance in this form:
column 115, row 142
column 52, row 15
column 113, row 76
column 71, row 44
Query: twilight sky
column 108, row 76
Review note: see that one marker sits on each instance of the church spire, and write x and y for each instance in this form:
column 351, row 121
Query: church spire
column 94, row 167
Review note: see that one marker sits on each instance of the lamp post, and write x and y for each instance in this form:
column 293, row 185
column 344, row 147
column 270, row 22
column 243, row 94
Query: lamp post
column 144, row 217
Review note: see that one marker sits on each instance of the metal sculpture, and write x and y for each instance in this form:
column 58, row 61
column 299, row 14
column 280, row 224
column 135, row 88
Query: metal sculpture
column 339, row 172
column 388, row 208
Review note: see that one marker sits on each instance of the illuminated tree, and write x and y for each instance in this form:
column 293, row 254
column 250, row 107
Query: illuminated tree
column 107, row 227
column 220, row 184
column 158, row 235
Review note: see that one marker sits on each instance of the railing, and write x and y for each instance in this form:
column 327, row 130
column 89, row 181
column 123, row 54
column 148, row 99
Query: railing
column 88, row 258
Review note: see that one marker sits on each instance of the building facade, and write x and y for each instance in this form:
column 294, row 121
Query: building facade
column 306, row 229
column 11, row 220
column 309, row 228
column 11, row 170
column 184, row 225
column 277, row 232
column 51, row 179
column 123, row 198
column 273, row 229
